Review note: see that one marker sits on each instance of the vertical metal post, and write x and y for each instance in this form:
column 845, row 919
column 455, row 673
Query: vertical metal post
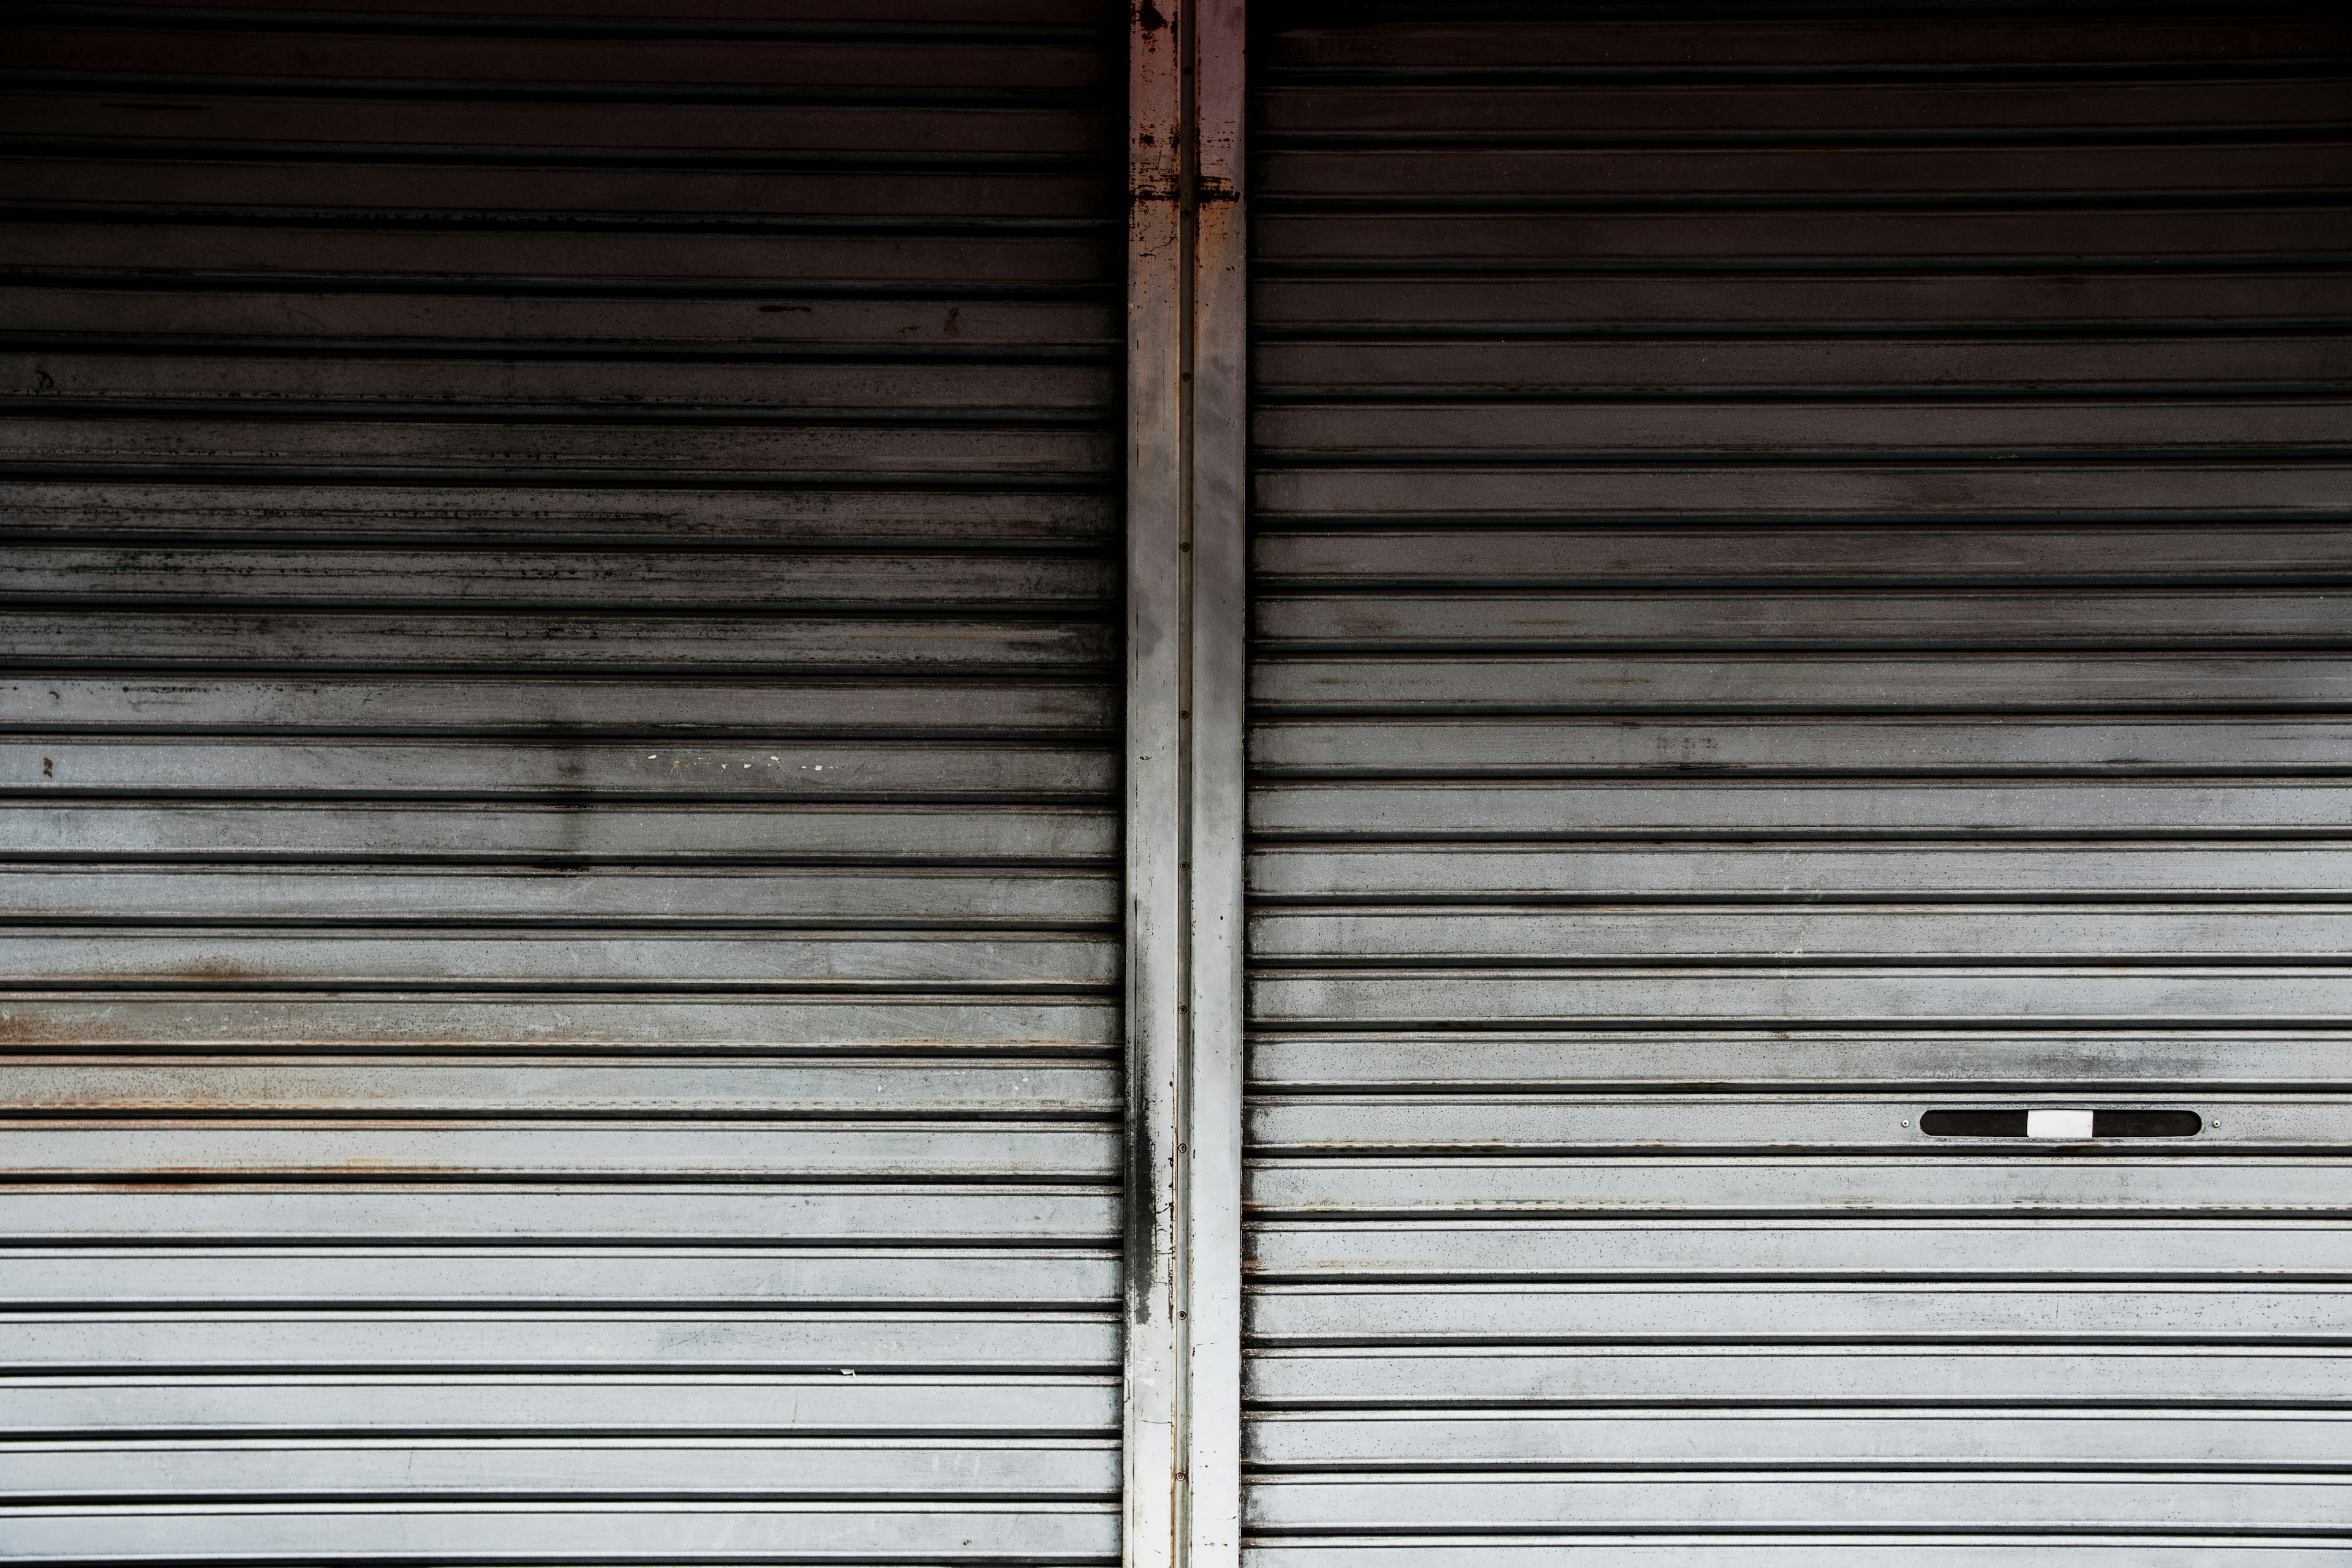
column 1187, row 479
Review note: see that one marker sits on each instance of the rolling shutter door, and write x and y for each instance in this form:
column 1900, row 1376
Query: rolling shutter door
column 560, row 799
column 1800, row 619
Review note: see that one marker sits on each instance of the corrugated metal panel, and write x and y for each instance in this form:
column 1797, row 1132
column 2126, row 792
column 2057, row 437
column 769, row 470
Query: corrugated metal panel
column 558, row 792
column 1800, row 606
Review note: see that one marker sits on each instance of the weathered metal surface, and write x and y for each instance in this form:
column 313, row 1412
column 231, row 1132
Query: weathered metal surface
column 1796, row 571
column 559, row 809
column 1187, row 677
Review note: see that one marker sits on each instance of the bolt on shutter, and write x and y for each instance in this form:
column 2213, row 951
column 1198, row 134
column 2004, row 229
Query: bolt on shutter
column 1798, row 829
column 560, row 842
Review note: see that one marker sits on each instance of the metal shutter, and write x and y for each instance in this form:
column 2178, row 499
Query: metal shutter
column 1800, row 585
column 561, row 797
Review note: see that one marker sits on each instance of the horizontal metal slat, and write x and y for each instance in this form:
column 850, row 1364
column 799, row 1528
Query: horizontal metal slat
column 1435, row 747
column 1972, row 1059
column 296, row 126
column 1436, row 1378
column 2053, row 1255
column 552, row 1532
column 600, row 580
column 1737, row 492
column 618, row 1404
column 611, row 897
column 1679, row 367
column 1006, row 709
column 423, row 516
column 1458, row 685
column 709, row 644
column 1668, row 807
column 2204, row 1441
column 1774, row 110
column 461, row 60
column 2012, row 1183
column 239, row 1278
column 622, row 829
column 849, row 1344
column 2074, row 296
column 641, row 1151
column 796, row 313
column 326, row 1085
column 440, row 1215
column 1855, row 1501
column 1036, row 1469
column 1408, row 45
column 2090, row 231
column 1431, row 1314
column 384, row 449
column 159, row 252
column 1914, row 558
column 1724, row 618
column 1891, row 933
column 2106, row 995
column 1002, row 961
column 1929, row 428
column 41, row 380
column 1436, row 172
column 638, row 1026
column 777, row 770
column 1532, row 1124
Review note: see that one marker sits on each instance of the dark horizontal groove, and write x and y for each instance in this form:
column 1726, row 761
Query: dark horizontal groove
column 152, row 84
column 1477, row 965
column 1889, row 897
column 650, row 927
column 1858, row 837
column 1869, row 394
column 1278, row 203
column 1664, row 773
column 480, row 220
column 1889, row 1214
column 2184, row 1470
column 579, row 800
column 1008, row 1113
column 1960, row 1344
column 1668, row 265
column 1848, row 1280
column 531, row 286
column 785, row 417
column 1486, row 461
column 996, row 741
column 1833, row 1532
column 2211, row 646
column 1013, row 615
column 230, row 18
column 2134, row 72
column 781, row 990
column 1104, row 1183
column 478, row 1430
column 536, row 349
column 834, row 1369
column 1664, row 329
column 519, row 1496
column 556, row 864
column 781, row 481
column 1296, row 394
column 1810, row 140
column 1859, row 585
column 1265, row 713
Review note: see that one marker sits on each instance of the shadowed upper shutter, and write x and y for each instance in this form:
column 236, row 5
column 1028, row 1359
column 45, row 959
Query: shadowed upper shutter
column 559, row 840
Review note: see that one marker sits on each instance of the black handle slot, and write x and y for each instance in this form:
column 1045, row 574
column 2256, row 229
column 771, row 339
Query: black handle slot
column 2116, row 1122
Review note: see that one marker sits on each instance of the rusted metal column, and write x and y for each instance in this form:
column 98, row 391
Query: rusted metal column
column 1186, row 492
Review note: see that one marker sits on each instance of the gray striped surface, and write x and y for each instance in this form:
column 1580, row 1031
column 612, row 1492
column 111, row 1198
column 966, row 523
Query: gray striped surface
column 1798, row 586
column 558, row 819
